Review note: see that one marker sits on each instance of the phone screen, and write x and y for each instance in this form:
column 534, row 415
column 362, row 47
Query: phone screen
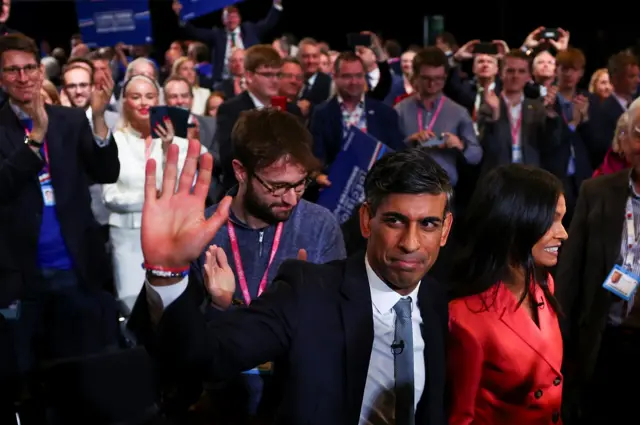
column 279, row 102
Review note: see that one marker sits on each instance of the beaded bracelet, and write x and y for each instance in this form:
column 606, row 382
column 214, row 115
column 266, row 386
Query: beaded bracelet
column 166, row 272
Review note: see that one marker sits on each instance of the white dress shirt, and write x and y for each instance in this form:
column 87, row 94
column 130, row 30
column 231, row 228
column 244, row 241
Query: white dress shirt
column 374, row 78
column 621, row 100
column 378, row 403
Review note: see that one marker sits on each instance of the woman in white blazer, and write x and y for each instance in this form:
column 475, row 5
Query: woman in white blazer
column 124, row 198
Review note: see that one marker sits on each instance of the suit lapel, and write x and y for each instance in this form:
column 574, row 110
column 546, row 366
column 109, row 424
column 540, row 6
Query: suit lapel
column 525, row 129
column 613, row 217
column 337, row 128
column 357, row 319
column 370, row 118
column 516, row 319
column 11, row 129
column 431, row 330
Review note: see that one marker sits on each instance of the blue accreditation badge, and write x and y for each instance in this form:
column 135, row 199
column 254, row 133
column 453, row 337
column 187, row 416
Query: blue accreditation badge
column 622, row 283
column 12, row 312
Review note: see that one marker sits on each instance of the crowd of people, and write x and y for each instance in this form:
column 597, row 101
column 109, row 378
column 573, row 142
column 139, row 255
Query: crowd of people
column 488, row 275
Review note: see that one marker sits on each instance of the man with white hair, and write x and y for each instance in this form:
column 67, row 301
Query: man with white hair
column 596, row 284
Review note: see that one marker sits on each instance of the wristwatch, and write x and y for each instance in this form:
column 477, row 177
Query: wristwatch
column 32, row 143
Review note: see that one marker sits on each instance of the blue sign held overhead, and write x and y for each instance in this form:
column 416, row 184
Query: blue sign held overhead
column 194, row 8
column 348, row 172
column 109, row 22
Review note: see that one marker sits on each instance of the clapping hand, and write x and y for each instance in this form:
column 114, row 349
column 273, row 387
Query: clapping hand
column 174, row 230
column 219, row 278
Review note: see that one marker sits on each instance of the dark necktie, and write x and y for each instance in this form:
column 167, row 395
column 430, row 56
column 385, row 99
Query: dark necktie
column 403, row 364
column 233, row 40
column 369, row 87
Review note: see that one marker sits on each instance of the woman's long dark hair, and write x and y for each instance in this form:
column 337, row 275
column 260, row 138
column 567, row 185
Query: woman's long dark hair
column 510, row 211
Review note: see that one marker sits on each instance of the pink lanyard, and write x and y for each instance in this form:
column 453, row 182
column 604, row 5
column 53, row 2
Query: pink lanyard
column 433, row 118
column 515, row 127
column 242, row 279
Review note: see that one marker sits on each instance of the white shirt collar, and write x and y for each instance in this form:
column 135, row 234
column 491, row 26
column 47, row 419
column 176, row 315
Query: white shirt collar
column 235, row 31
column 256, row 102
column 312, row 79
column 375, row 74
column 621, row 100
column 384, row 298
column 22, row 115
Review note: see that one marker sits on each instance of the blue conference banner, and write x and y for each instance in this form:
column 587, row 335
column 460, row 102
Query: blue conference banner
column 194, row 8
column 109, row 22
column 359, row 152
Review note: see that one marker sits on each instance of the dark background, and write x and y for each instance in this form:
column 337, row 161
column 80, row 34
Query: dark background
column 598, row 31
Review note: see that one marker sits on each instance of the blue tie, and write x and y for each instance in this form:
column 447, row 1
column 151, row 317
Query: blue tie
column 27, row 123
column 403, row 364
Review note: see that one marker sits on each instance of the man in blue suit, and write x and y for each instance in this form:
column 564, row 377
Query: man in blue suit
column 235, row 34
column 351, row 106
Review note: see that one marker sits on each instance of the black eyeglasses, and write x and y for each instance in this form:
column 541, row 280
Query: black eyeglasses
column 281, row 188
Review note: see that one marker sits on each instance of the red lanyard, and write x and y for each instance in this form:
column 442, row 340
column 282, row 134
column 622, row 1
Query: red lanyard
column 44, row 148
column 515, row 127
column 242, row 279
column 433, row 118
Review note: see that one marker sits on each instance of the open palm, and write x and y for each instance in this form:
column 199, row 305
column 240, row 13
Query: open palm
column 174, row 229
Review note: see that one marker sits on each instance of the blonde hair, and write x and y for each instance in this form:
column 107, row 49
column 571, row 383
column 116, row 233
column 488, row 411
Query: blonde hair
column 123, row 122
column 176, row 67
column 595, row 77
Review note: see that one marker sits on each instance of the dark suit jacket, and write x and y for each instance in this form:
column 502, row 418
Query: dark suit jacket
column 228, row 114
column 226, row 86
column 464, row 92
column 557, row 163
column 216, row 38
column 327, row 128
column 603, row 118
column 587, row 258
column 319, row 91
column 317, row 317
column 539, row 135
column 74, row 156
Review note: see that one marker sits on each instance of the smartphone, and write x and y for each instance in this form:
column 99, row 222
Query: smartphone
column 179, row 118
column 433, row 142
column 550, row 34
column 279, row 102
column 356, row 39
column 486, row 48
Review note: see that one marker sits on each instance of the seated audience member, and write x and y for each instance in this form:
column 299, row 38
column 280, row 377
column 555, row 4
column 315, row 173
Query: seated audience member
column 505, row 347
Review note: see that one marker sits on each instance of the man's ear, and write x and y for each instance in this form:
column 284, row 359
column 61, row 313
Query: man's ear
column 365, row 220
column 239, row 171
column 446, row 228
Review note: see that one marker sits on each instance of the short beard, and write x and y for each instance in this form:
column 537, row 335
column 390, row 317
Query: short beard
column 260, row 210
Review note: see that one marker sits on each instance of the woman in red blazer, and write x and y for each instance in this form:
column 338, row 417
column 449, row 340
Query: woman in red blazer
column 505, row 347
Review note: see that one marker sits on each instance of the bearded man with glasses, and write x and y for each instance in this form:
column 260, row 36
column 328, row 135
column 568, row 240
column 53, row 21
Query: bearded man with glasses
column 268, row 224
